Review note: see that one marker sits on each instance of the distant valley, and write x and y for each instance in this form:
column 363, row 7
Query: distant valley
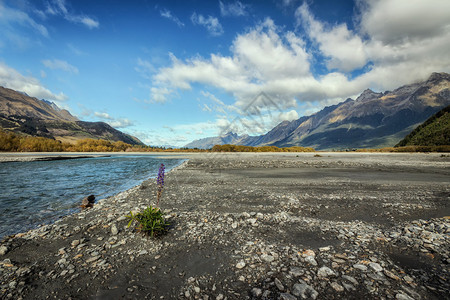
column 373, row 120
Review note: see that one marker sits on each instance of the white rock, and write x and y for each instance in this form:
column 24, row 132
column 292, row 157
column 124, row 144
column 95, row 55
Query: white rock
column 350, row 279
column 142, row 252
column 240, row 265
column 360, row 267
column 349, row 287
column 310, row 260
column 287, row 296
column 376, row 267
column 296, row 271
column 219, row 297
column 279, row 285
column 251, row 221
column 304, row 291
column 403, row 297
column 3, row 250
column 114, row 230
column 267, row 258
column 325, row 272
column 337, row 287
column 324, row 249
column 256, row 292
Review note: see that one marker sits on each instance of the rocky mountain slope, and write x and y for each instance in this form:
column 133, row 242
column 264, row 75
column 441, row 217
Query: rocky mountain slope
column 23, row 114
column 433, row 132
column 209, row 142
column 372, row 120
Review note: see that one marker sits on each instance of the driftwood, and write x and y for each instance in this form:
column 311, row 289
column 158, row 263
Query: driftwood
column 88, row 201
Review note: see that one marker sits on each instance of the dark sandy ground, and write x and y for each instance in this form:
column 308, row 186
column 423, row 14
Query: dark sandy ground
column 254, row 226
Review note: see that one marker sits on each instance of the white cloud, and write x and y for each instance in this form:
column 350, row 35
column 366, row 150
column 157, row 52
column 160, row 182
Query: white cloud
column 177, row 135
column 60, row 64
column 219, row 106
column 159, row 94
column 59, row 8
column 400, row 21
column 258, row 118
column 89, row 22
column 252, row 124
column 168, row 14
column 211, row 23
column 288, row 116
column 236, row 9
column 200, row 126
column 145, row 68
column 120, row 123
column 103, row 115
column 395, row 42
column 205, row 107
column 345, row 50
column 262, row 60
column 113, row 122
column 399, row 48
column 13, row 16
column 161, row 140
column 11, row 78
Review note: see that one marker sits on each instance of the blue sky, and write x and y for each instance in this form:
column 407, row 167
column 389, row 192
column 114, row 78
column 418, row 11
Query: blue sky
column 170, row 72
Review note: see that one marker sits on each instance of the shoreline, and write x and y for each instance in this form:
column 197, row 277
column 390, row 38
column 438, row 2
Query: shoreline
column 74, row 207
column 49, row 156
column 250, row 225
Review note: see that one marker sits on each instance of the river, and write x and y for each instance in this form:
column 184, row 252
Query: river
column 40, row 192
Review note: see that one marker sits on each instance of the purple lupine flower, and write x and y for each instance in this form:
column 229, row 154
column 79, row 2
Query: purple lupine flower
column 160, row 180
column 160, row 183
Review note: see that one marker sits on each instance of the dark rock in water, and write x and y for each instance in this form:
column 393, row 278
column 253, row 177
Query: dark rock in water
column 88, row 201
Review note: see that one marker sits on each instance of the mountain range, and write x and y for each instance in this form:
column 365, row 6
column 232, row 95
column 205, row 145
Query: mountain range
column 27, row 115
column 373, row 120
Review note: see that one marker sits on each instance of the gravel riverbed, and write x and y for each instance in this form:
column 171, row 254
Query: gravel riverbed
column 253, row 226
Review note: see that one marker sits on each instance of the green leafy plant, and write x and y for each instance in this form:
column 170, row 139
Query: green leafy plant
column 150, row 221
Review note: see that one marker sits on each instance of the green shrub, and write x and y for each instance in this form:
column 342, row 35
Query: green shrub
column 151, row 221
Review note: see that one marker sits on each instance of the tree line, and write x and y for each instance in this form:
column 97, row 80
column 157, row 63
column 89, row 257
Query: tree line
column 240, row 148
column 12, row 142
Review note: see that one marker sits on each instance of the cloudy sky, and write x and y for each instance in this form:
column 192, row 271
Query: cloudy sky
column 170, row 72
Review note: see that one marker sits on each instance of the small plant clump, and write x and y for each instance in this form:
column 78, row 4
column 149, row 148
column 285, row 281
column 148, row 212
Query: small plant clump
column 151, row 221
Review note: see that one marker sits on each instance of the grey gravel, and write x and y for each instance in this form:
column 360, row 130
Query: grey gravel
column 261, row 226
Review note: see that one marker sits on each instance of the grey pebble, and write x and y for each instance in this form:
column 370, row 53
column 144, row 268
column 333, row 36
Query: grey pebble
column 304, row 291
column 287, row 296
column 360, row 267
column 325, row 272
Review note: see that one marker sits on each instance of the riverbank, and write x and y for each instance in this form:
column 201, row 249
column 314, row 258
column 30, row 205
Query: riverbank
column 45, row 156
column 48, row 156
column 262, row 226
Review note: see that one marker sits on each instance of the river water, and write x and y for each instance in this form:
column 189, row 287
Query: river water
column 40, row 192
